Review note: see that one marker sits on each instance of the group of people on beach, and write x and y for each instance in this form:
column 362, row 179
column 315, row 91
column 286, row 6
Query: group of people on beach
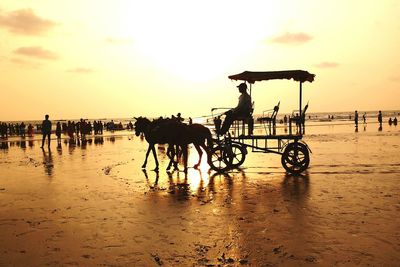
column 15, row 129
column 75, row 130
column 380, row 119
column 394, row 121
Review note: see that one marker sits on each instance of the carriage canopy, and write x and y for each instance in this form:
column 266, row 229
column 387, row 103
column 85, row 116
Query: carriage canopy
column 254, row 76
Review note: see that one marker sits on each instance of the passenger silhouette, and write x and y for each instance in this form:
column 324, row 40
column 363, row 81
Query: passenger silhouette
column 46, row 130
column 243, row 108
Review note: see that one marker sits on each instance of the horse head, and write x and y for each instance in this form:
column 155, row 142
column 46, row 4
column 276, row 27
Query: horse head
column 141, row 125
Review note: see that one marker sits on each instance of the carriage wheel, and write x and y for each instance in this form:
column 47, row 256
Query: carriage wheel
column 235, row 156
column 216, row 159
column 295, row 158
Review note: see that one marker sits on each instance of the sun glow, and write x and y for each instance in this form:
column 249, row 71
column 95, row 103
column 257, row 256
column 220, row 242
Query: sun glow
column 190, row 40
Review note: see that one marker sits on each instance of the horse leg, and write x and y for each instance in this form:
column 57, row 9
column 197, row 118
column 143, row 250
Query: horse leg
column 155, row 157
column 147, row 155
column 175, row 150
column 185, row 157
column 200, row 155
column 171, row 155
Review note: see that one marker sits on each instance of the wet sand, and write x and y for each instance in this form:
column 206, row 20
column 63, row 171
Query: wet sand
column 92, row 205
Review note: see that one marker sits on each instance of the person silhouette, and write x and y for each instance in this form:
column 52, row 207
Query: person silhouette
column 356, row 118
column 46, row 130
column 30, row 130
column 395, row 121
column 179, row 117
column 58, row 132
column 380, row 118
column 243, row 108
column 365, row 118
column 217, row 123
column 22, row 129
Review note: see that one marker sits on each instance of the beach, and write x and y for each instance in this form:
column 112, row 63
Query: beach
column 93, row 205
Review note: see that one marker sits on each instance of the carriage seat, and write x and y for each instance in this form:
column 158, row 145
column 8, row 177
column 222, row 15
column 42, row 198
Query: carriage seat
column 298, row 120
column 246, row 119
column 269, row 115
column 269, row 118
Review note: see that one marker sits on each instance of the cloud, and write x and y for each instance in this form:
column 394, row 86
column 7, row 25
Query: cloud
column 117, row 41
column 327, row 65
column 394, row 78
column 24, row 21
column 37, row 52
column 81, row 70
column 292, row 38
column 25, row 63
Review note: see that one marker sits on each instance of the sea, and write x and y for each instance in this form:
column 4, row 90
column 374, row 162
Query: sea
column 346, row 117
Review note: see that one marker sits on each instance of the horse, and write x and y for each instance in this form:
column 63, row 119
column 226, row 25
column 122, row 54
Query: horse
column 175, row 134
column 198, row 134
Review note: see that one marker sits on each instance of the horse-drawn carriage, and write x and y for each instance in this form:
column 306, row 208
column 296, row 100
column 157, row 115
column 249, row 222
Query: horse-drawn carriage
column 230, row 151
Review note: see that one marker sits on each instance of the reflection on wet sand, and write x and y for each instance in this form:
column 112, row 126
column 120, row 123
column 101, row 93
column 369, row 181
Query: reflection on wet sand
column 4, row 145
column 296, row 187
column 97, row 140
column 48, row 162
column 255, row 216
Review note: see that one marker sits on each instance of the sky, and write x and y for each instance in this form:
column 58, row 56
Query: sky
column 125, row 58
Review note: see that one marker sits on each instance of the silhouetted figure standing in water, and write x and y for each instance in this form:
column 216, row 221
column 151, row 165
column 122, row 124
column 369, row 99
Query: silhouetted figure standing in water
column 30, row 130
column 242, row 109
column 46, row 130
column 58, row 132
column 365, row 118
column 22, row 129
column 356, row 118
column 395, row 121
column 380, row 118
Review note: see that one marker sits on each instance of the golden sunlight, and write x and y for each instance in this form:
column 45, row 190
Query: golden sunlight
column 198, row 44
